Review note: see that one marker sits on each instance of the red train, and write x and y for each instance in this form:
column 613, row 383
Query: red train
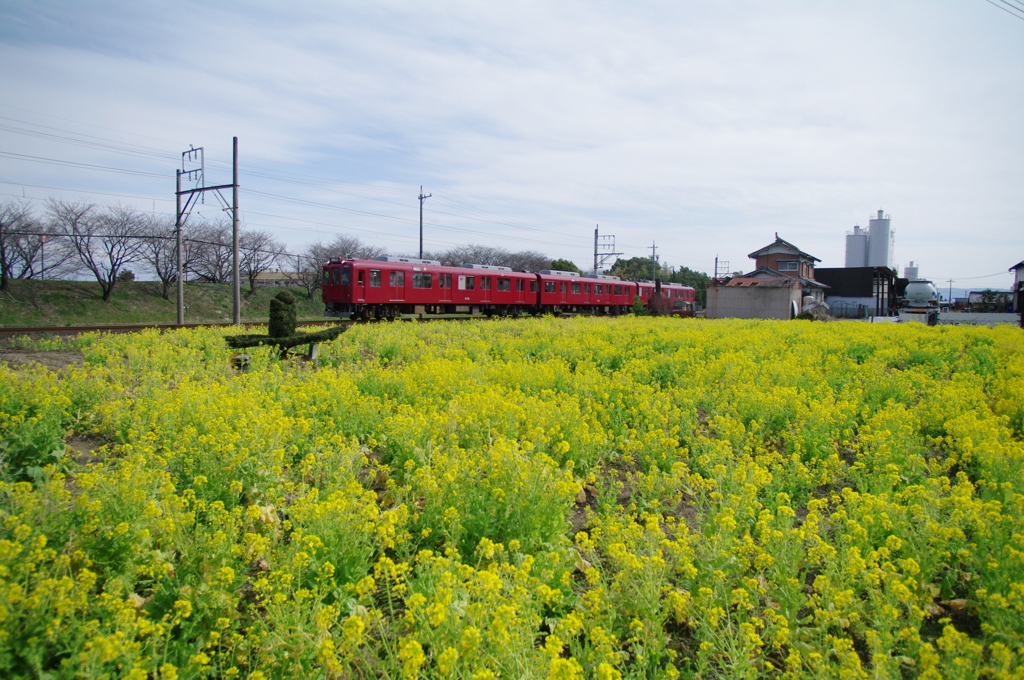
column 391, row 286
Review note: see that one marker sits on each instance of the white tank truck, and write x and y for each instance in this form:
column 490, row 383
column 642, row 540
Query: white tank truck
column 920, row 302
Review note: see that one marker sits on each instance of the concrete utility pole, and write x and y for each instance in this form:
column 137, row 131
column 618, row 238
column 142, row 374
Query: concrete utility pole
column 654, row 261
column 198, row 175
column 422, row 198
column 177, row 251
column 237, row 286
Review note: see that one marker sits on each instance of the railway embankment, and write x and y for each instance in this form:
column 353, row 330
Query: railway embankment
column 80, row 303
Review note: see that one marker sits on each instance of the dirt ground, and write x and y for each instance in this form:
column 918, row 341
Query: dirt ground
column 53, row 360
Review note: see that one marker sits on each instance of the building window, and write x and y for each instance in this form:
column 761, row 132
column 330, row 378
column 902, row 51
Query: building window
column 789, row 266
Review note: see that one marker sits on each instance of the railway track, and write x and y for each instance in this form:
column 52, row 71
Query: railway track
column 131, row 328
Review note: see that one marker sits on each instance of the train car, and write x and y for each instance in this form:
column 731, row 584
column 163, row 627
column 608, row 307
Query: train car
column 564, row 292
column 559, row 291
column 611, row 295
column 498, row 290
column 676, row 298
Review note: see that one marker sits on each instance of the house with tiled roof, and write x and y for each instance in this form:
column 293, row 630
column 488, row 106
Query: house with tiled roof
column 781, row 286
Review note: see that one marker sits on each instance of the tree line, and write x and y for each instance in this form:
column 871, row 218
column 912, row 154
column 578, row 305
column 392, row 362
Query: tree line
column 73, row 238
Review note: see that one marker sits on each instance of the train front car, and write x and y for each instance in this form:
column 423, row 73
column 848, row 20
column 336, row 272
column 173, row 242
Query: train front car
column 336, row 291
column 389, row 287
column 377, row 289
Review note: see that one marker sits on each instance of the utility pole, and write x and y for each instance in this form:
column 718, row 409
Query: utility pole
column 236, row 285
column 950, row 300
column 654, row 261
column 422, row 198
column 604, row 247
column 180, row 287
column 198, row 175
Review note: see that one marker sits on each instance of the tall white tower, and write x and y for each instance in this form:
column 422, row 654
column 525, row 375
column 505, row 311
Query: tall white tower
column 857, row 248
column 880, row 241
column 911, row 271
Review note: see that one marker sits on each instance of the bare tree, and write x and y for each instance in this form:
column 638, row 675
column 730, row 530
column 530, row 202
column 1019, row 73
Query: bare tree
column 105, row 241
column 210, row 251
column 311, row 262
column 43, row 253
column 15, row 218
column 472, row 254
column 526, row 260
column 351, row 248
column 258, row 251
column 343, row 247
column 159, row 250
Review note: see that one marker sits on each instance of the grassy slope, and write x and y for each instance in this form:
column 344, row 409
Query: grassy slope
column 80, row 303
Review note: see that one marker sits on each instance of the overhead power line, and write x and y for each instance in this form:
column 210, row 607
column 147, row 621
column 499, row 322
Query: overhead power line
column 1008, row 7
column 75, row 164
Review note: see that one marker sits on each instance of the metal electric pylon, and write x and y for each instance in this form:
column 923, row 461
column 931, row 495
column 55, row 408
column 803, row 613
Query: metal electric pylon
column 189, row 160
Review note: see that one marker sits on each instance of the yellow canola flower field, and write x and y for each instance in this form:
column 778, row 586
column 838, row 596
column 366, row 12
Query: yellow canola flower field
column 541, row 498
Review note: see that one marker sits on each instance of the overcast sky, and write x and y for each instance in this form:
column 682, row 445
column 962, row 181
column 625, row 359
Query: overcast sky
column 702, row 128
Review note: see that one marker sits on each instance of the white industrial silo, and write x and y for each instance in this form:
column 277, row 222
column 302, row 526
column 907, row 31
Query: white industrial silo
column 857, row 248
column 880, row 241
column 911, row 271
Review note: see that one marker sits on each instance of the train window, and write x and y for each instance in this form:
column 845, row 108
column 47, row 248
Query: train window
column 327, row 277
column 467, row 282
column 586, row 288
column 562, row 286
column 521, row 285
column 360, row 277
column 599, row 288
column 398, row 279
column 533, row 286
column 485, row 283
column 447, row 280
column 375, row 278
column 423, row 280
column 549, row 286
column 504, row 284
column 575, row 288
column 346, row 277
column 618, row 290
